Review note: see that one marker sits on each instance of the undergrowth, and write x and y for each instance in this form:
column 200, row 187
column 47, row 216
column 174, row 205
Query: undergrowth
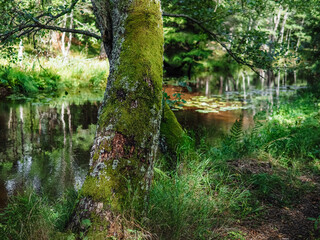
column 53, row 75
column 212, row 188
column 31, row 216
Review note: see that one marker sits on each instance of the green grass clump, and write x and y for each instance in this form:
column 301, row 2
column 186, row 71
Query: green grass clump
column 289, row 136
column 80, row 73
column 30, row 216
column 198, row 198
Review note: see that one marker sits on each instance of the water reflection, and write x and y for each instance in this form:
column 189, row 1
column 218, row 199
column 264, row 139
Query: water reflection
column 255, row 93
column 44, row 146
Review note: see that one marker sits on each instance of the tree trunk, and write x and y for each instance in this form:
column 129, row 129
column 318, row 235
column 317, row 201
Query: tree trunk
column 67, row 50
column 283, row 25
column 299, row 37
column 20, row 53
column 103, row 53
column 63, row 36
column 276, row 20
column 126, row 141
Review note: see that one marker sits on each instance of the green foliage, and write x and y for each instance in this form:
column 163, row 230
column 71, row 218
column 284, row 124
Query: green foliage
column 290, row 134
column 236, row 131
column 200, row 196
column 185, row 48
column 26, row 218
column 176, row 101
column 30, row 216
column 238, row 235
column 214, row 186
column 316, row 222
column 265, row 34
column 56, row 77
column 28, row 82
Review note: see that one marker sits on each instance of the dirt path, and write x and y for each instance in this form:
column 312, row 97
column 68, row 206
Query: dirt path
column 282, row 223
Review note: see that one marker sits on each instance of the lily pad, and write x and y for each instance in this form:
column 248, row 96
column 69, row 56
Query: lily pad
column 206, row 111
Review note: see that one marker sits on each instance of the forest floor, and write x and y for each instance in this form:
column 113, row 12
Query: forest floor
column 282, row 222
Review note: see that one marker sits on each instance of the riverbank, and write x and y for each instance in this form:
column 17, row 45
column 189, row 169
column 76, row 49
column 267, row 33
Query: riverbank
column 31, row 79
column 253, row 184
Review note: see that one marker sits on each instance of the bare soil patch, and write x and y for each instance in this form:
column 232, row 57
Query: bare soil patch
column 281, row 222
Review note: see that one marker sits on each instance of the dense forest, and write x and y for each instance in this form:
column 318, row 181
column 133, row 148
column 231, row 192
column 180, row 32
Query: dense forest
column 149, row 119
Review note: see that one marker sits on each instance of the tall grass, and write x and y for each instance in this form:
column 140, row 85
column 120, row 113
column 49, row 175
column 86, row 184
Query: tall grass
column 214, row 187
column 80, row 72
column 199, row 198
column 31, row 216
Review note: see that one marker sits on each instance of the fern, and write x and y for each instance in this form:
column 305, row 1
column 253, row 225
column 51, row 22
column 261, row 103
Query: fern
column 236, row 131
column 257, row 126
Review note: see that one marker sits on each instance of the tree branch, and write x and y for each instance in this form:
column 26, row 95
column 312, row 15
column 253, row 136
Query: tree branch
column 68, row 10
column 216, row 38
column 69, row 30
column 26, row 29
column 33, row 24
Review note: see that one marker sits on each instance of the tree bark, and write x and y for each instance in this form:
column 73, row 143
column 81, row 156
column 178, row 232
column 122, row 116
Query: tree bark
column 283, row 25
column 126, row 141
column 70, row 38
column 20, row 53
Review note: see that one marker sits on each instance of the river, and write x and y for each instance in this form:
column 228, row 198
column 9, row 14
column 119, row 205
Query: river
column 45, row 144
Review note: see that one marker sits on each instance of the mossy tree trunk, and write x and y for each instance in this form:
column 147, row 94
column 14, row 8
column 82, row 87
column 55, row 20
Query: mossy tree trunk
column 126, row 141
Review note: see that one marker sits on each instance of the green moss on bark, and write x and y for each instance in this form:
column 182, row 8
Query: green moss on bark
column 170, row 130
column 128, row 124
column 138, row 79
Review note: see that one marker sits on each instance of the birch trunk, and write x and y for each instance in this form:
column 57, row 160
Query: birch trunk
column 67, row 50
column 283, row 25
column 63, row 36
column 126, row 141
column 20, row 53
column 299, row 38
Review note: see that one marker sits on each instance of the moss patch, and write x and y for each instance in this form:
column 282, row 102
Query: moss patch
column 129, row 121
column 171, row 129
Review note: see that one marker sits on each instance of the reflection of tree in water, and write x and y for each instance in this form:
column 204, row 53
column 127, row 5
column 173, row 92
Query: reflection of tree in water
column 45, row 146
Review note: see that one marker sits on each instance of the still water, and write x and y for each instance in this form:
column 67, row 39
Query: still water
column 45, row 145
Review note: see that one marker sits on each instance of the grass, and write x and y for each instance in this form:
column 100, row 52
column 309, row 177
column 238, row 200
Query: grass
column 217, row 187
column 199, row 198
column 30, row 216
column 213, row 190
column 53, row 75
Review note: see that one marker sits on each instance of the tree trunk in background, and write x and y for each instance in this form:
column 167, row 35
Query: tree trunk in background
column 299, row 38
column 65, row 50
column 283, row 25
column 276, row 20
column 63, row 36
column 103, row 53
column 20, row 53
column 70, row 37
column 126, row 141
